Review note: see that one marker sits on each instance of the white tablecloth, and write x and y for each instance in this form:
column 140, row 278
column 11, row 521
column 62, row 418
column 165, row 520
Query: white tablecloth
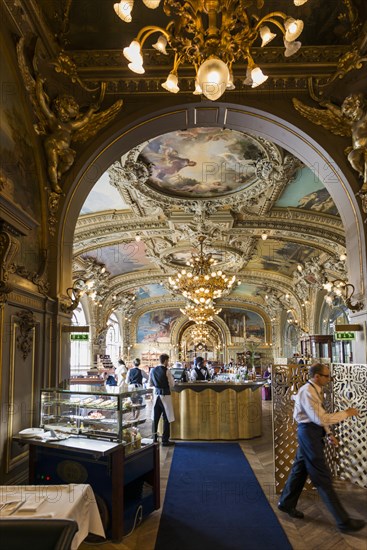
column 74, row 501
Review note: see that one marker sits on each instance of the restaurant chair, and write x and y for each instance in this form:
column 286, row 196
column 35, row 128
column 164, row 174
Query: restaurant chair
column 37, row 533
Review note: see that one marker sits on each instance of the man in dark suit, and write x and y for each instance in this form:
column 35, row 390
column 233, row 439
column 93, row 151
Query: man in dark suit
column 162, row 381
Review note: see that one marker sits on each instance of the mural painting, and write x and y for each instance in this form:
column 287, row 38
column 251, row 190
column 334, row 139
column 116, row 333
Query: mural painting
column 156, row 326
column 150, row 291
column 103, row 196
column 210, row 161
column 308, row 192
column 244, row 290
column 243, row 323
column 123, row 257
column 279, row 256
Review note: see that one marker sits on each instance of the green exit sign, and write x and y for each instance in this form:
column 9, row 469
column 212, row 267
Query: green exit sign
column 77, row 336
column 344, row 335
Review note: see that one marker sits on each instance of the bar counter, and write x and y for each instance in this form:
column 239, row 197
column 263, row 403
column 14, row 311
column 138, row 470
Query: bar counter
column 212, row 410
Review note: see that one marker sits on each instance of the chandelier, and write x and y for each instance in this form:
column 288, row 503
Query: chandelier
column 200, row 314
column 211, row 35
column 339, row 289
column 200, row 334
column 201, row 284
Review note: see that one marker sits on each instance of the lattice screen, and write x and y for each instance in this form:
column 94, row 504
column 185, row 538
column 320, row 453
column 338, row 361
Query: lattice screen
column 349, row 387
column 350, row 390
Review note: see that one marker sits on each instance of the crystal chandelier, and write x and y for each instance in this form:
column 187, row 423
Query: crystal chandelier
column 200, row 334
column 201, row 284
column 211, row 35
column 200, row 314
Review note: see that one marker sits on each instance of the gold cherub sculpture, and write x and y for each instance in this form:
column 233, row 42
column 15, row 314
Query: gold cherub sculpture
column 348, row 120
column 61, row 121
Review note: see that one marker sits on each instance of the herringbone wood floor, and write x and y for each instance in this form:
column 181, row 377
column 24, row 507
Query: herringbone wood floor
column 316, row 531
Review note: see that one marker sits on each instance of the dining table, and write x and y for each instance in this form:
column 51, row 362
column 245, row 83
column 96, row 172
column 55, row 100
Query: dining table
column 74, row 501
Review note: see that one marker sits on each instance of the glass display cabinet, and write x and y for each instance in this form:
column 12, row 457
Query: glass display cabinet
column 103, row 437
column 98, row 413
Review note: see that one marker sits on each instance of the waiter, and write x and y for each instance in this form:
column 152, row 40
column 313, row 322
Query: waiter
column 200, row 371
column 313, row 425
column 162, row 380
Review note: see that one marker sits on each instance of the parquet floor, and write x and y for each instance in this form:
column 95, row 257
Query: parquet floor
column 316, row 531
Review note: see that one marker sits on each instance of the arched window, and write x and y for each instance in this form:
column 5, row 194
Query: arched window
column 80, row 346
column 331, row 316
column 113, row 339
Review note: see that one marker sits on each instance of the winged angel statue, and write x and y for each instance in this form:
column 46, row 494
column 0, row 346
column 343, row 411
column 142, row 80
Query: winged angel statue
column 348, row 120
column 61, row 122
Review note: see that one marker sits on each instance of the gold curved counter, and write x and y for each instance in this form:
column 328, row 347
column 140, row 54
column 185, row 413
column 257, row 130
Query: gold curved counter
column 210, row 411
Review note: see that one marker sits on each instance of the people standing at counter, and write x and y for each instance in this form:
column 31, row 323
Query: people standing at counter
column 313, row 425
column 136, row 375
column 162, row 381
column 200, row 371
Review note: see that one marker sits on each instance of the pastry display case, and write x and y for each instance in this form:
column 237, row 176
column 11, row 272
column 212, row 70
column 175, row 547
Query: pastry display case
column 98, row 413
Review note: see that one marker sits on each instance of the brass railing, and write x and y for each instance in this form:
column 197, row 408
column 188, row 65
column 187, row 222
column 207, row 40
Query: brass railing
column 347, row 389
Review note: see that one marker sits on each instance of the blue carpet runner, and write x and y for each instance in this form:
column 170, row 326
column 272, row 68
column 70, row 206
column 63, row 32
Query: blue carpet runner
column 213, row 501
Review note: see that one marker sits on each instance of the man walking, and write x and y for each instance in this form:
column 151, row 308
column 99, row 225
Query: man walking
column 313, row 424
column 162, row 380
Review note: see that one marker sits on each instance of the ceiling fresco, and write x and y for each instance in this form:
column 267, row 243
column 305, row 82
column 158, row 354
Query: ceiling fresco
column 103, row 197
column 308, row 192
column 151, row 291
column 272, row 255
column 202, row 162
column 122, row 258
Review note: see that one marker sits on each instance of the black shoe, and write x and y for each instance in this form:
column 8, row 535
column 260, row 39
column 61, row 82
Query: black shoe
column 167, row 443
column 352, row 525
column 292, row 512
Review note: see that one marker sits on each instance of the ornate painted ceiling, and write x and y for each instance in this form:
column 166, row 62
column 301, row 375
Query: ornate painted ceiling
column 266, row 218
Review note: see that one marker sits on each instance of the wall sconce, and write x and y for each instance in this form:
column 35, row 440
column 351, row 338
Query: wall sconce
column 343, row 290
column 74, row 293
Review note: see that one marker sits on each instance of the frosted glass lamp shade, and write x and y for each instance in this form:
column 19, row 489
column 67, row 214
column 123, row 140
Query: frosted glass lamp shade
column 293, row 28
column 136, row 67
column 291, row 47
column 171, row 84
column 266, row 35
column 213, row 76
column 258, row 77
column 161, row 45
column 123, row 10
column 133, row 52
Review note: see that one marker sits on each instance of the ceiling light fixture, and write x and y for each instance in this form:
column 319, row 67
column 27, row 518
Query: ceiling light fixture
column 200, row 314
column 340, row 289
column 201, row 284
column 211, row 35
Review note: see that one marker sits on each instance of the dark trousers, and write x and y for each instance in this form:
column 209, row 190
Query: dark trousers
column 310, row 460
column 158, row 411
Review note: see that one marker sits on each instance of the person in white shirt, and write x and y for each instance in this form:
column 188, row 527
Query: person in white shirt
column 200, row 371
column 313, row 424
column 120, row 372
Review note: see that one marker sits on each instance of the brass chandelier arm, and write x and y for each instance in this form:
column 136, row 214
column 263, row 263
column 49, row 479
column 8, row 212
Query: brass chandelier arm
column 145, row 32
